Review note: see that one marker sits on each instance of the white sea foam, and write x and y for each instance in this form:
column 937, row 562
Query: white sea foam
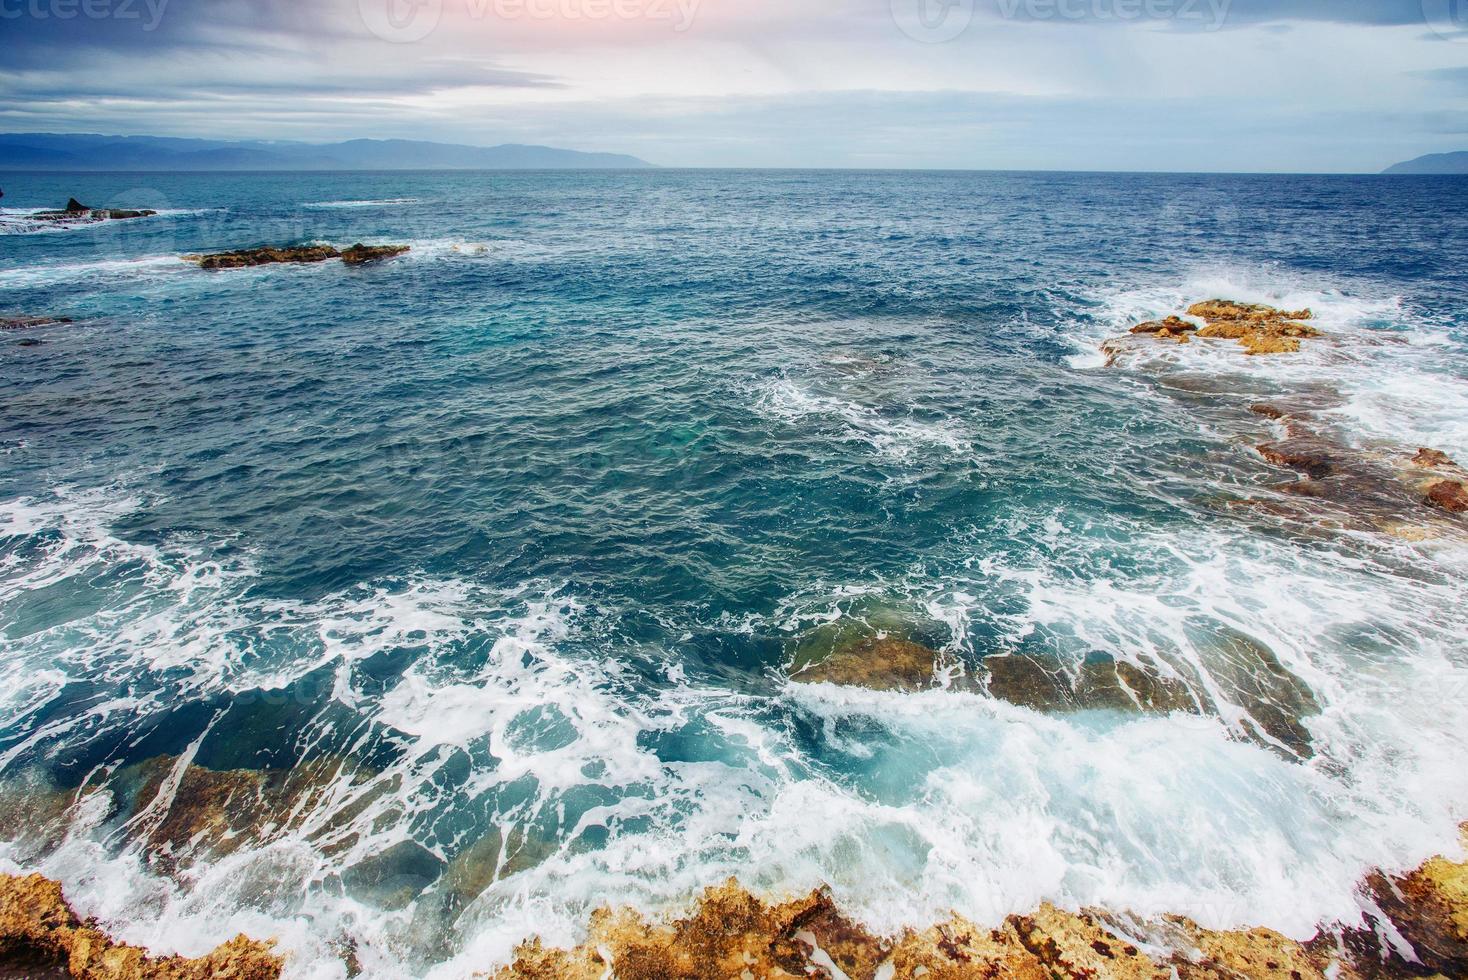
column 61, row 273
column 1385, row 360
column 895, row 436
column 347, row 205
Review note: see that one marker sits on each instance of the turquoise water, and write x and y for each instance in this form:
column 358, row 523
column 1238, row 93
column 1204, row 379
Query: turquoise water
column 529, row 525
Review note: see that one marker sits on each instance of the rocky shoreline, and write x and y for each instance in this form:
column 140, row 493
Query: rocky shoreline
column 41, row 937
column 1416, row 926
column 1419, row 928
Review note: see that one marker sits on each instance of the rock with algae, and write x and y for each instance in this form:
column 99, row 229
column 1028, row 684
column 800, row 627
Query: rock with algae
column 358, row 254
column 41, row 935
column 880, row 663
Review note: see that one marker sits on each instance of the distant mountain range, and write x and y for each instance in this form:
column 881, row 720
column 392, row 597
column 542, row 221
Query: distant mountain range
column 1433, row 163
column 46, row 151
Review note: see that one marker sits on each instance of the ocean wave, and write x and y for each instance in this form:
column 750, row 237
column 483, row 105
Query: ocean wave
column 506, row 706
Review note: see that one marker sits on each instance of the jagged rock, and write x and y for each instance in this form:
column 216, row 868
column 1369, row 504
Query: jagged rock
column 1268, row 411
column 76, row 212
column 1309, row 455
column 27, row 322
column 271, row 255
column 879, row 663
column 1225, row 309
column 1433, row 459
column 39, row 933
column 245, row 258
column 1260, row 343
column 359, row 254
column 1449, row 495
column 1171, row 325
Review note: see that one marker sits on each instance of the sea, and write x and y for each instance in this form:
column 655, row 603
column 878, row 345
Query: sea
column 403, row 612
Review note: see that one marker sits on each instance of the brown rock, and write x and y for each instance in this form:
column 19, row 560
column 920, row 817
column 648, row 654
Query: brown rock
column 1268, row 411
column 39, row 933
column 1172, row 325
column 360, row 254
column 1075, row 946
column 1225, row 309
column 1305, row 454
column 245, row 258
column 1433, row 459
column 1262, row 343
column 1450, row 495
column 1101, row 682
column 879, row 663
column 27, row 322
column 269, row 255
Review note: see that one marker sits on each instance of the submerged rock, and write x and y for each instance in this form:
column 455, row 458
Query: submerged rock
column 1101, row 682
column 879, row 663
column 210, row 814
column 1306, row 454
column 299, row 254
column 40, row 934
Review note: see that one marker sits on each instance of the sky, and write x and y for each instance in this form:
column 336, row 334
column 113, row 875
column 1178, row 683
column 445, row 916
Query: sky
column 1204, row 85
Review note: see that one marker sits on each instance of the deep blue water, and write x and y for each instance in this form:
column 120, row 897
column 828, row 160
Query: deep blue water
column 532, row 522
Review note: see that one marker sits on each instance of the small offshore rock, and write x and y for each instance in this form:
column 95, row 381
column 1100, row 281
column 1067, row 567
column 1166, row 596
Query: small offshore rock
column 359, row 254
column 27, row 322
column 299, row 254
column 268, row 255
column 76, row 211
column 1268, row 411
column 1450, row 495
